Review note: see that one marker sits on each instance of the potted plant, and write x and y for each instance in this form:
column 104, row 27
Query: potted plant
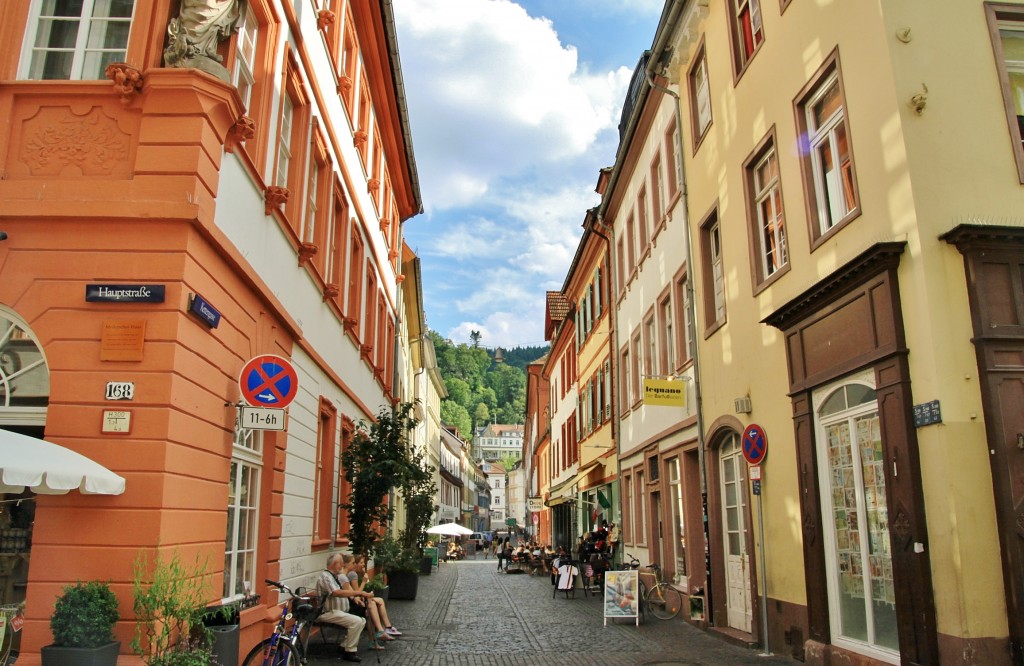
column 401, row 566
column 170, row 606
column 378, row 585
column 83, row 627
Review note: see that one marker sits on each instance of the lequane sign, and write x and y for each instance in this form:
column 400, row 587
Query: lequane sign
column 666, row 392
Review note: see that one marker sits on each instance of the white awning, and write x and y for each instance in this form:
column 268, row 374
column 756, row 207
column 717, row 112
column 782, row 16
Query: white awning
column 50, row 469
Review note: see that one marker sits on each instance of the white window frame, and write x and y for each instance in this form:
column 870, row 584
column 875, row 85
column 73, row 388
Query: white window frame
column 827, row 135
column 769, row 193
column 81, row 50
column 284, row 141
column 247, row 455
column 702, row 94
column 248, row 40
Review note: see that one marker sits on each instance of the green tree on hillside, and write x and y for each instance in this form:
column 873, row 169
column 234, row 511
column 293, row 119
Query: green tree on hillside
column 454, row 414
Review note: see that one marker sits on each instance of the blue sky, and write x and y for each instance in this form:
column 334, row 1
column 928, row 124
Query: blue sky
column 514, row 108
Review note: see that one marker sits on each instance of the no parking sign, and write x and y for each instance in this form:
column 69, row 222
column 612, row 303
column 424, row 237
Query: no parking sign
column 268, row 381
column 755, row 444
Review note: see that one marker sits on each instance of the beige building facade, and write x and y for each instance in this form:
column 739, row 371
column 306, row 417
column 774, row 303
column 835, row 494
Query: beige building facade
column 853, row 184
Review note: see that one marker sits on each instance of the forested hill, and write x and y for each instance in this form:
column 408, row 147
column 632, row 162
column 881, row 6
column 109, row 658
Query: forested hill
column 480, row 390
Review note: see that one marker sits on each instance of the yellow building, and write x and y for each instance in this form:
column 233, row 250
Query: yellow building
column 853, row 185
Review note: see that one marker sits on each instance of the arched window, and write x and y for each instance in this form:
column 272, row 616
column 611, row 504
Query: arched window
column 24, row 377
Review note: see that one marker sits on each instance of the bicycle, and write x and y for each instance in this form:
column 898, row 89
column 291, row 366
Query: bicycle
column 287, row 647
column 662, row 599
column 633, row 565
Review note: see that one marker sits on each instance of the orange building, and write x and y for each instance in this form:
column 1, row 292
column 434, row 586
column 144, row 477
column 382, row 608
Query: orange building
column 163, row 225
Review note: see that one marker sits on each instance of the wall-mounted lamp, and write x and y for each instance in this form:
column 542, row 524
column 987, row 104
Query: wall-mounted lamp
column 3, row 235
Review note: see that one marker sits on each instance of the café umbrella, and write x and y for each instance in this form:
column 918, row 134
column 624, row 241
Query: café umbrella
column 50, row 469
column 450, row 529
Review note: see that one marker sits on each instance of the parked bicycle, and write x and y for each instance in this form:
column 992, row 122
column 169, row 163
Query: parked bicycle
column 633, row 565
column 287, row 645
column 663, row 600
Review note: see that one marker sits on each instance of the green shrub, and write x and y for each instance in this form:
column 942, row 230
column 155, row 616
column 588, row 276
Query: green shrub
column 84, row 615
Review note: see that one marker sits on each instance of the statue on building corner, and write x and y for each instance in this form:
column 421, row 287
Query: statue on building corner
column 193, row 35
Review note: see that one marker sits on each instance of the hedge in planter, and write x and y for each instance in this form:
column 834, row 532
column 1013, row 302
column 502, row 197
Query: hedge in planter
column 83, row 627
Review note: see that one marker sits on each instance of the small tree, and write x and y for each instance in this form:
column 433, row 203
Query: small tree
column 170, row 604
column 378, row 460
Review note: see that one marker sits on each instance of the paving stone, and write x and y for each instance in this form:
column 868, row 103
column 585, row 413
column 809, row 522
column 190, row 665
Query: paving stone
column 468, row 614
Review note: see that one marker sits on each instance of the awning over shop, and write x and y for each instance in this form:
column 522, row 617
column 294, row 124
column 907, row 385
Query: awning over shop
column 581, row 476
column 50, row 469
column 563, row 492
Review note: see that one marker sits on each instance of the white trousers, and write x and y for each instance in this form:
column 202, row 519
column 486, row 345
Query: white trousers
column 352, row 623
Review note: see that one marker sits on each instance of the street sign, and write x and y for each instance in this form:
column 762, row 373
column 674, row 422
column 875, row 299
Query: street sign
column 757, row 487
column 755, row 444
column 257, row 418
column 511, row 522
column 755, row 472
column 268, row 381
column 536, row 518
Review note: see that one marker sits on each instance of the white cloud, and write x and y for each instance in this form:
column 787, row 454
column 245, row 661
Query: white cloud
column 503, row 329
column 493, row 93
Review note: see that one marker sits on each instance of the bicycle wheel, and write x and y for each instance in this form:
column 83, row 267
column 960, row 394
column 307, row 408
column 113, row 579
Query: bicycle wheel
column 266, row 655
column 664, row 601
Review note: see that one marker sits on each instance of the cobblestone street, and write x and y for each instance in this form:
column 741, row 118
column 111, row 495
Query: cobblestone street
column 468, row 613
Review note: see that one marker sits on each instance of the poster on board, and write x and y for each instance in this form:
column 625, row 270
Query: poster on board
column 622, row 595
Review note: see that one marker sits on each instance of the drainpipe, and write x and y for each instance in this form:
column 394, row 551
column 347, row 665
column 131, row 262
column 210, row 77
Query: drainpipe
column 692, row 325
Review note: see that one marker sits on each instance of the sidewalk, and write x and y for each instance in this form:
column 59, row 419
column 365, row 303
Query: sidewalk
column 469, row 614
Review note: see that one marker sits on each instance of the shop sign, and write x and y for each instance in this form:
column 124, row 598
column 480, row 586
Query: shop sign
column 664, row 392
column 535, row 504
column 201, row 308
column 124, row 293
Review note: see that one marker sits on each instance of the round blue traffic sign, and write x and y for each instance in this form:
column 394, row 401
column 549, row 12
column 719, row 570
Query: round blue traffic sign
column 755, row 444
column 268, row 381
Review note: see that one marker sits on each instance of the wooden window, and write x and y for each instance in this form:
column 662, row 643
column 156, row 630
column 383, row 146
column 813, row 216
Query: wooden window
column 370, row 312
column 318, row 191
column 251, row 63
column 347, row 78
column 714, row 273
column 657, row 191
column 323, row 487
column 636, row 369
column 348, row 430
column 667, row 334
column 335, row 233
column 620, row 260
column 672, row 161
column 828, row 169
column 293, row 127
column 765, row 211
column 651, row 346
column 625, row 399
column 681, row 301
column 75, row 39
column 364, row 129
column 1006, row 26
column 700, row 96
column 356, row 266
column 629, row 517
column 642, row 224
column 747, row 31
column 244, row 73
column 639, row 492
column 631, row 243
column 242, row 537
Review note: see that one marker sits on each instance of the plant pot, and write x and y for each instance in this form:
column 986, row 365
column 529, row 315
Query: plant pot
column 225, row 644
column 426, row 565
column 403, row 585
column 104, row 655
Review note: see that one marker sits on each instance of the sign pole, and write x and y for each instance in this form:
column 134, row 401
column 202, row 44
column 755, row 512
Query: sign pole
column 764, row 572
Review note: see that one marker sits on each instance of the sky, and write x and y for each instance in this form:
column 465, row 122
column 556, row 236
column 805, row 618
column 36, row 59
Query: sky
column 514, row 108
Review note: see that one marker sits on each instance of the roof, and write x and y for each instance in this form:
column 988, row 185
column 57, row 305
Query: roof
column 555, row 311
